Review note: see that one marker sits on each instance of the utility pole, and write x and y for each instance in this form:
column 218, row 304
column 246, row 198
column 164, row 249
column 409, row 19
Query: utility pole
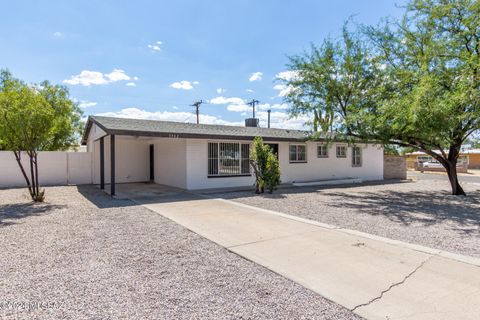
column 252, row 103
column 197, row 104
column 269, row 117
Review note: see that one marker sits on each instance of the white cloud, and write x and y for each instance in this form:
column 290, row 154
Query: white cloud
column 281, row 120
column 87, row 77
column 234, row 104
column 117, row 75
column 283, row 89
column 239, row 107
column 249, row 91
column 184, row 85
column 287, row 75
column 135, row 78
column 221, row 90
column 130, row 84
column 256, row 76
column 137, row 113
column 156, row 46
column 58, row 34
column 86, row 104
column 175, row 108
column 223, row 100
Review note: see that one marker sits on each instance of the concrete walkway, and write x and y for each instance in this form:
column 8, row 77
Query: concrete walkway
column 377, row 278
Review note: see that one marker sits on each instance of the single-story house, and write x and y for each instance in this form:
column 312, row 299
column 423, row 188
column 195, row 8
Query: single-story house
column 470, row 157
column 199, row 156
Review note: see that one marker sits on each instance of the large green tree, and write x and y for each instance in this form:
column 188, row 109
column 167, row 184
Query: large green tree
column 414, row 83
column 36, row 118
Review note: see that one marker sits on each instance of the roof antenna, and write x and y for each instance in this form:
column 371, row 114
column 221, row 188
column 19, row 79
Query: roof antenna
column 197, row 104
column 252, row 103
column 269, row 117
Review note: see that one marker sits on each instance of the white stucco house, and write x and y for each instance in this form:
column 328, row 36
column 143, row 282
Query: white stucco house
column 200, row 156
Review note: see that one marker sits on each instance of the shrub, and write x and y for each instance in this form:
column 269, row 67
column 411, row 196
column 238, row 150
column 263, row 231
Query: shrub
column 265, row 166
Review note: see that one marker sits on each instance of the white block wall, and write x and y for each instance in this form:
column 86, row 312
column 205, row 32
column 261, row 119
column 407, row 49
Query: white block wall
column 197, row 167
column 332, row 167
column 170, row 162
column 314, row 169
column 132, row 160
column 54, row 168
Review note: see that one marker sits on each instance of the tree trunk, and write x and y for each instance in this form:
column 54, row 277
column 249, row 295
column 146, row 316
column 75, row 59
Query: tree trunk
column 37, row 185
column 18, row 157
column 33, row 177
column 451, row 168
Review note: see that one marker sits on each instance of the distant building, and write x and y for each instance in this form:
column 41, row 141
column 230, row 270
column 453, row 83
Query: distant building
column 471, row 157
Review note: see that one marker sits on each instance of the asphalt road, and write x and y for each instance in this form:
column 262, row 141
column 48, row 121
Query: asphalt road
column 443, row 177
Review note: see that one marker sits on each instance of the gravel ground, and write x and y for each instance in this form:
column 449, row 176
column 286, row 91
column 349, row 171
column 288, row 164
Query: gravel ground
column 84, row 255
column 421, row 212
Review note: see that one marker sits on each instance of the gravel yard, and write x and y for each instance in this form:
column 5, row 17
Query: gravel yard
column 421, row 212
column 92, row 257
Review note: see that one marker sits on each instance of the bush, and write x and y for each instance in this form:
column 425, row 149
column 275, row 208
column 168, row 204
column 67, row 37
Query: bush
column 265, row 166
column 272, row 173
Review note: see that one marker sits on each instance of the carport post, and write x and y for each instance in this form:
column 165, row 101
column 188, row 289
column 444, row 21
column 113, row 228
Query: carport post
column 102, row 164
column 112, row 165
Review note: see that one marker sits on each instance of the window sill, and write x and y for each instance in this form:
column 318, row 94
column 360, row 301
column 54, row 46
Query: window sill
column 298, row 161
column 341, row 157
column 230, row 176
column 323, row 157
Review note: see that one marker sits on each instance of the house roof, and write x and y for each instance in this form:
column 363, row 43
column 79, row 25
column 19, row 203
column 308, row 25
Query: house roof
column 155, row 128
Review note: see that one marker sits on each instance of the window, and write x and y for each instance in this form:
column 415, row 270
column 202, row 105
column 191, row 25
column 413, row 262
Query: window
column 322, row 151
column 356, row 157
column 298, row 153
column 228, row 159
column 341, row 151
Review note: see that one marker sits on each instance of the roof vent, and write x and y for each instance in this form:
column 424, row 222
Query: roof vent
column 251, row 122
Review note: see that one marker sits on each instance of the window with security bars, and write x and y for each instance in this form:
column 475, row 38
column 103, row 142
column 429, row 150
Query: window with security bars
column 356, row 157
column 228, row 159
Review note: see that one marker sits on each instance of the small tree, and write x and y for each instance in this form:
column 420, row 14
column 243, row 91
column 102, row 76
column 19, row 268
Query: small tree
column 272, row 172
column 265, row 166
column 33, row 119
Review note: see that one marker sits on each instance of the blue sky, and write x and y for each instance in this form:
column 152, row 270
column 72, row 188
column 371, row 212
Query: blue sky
column 152, row 59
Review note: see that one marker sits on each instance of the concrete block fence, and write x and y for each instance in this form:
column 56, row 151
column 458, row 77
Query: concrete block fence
column 54, row 168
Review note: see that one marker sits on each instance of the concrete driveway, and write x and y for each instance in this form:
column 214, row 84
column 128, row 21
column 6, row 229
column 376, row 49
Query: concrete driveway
column 375, row 277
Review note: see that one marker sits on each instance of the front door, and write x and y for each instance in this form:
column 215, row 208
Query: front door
column 152, row 163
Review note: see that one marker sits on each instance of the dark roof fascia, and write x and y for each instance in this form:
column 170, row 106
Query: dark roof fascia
column 91, row 121
column 197, row 136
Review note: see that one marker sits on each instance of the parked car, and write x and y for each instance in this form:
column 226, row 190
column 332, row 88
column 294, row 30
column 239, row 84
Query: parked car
column 431, row 164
